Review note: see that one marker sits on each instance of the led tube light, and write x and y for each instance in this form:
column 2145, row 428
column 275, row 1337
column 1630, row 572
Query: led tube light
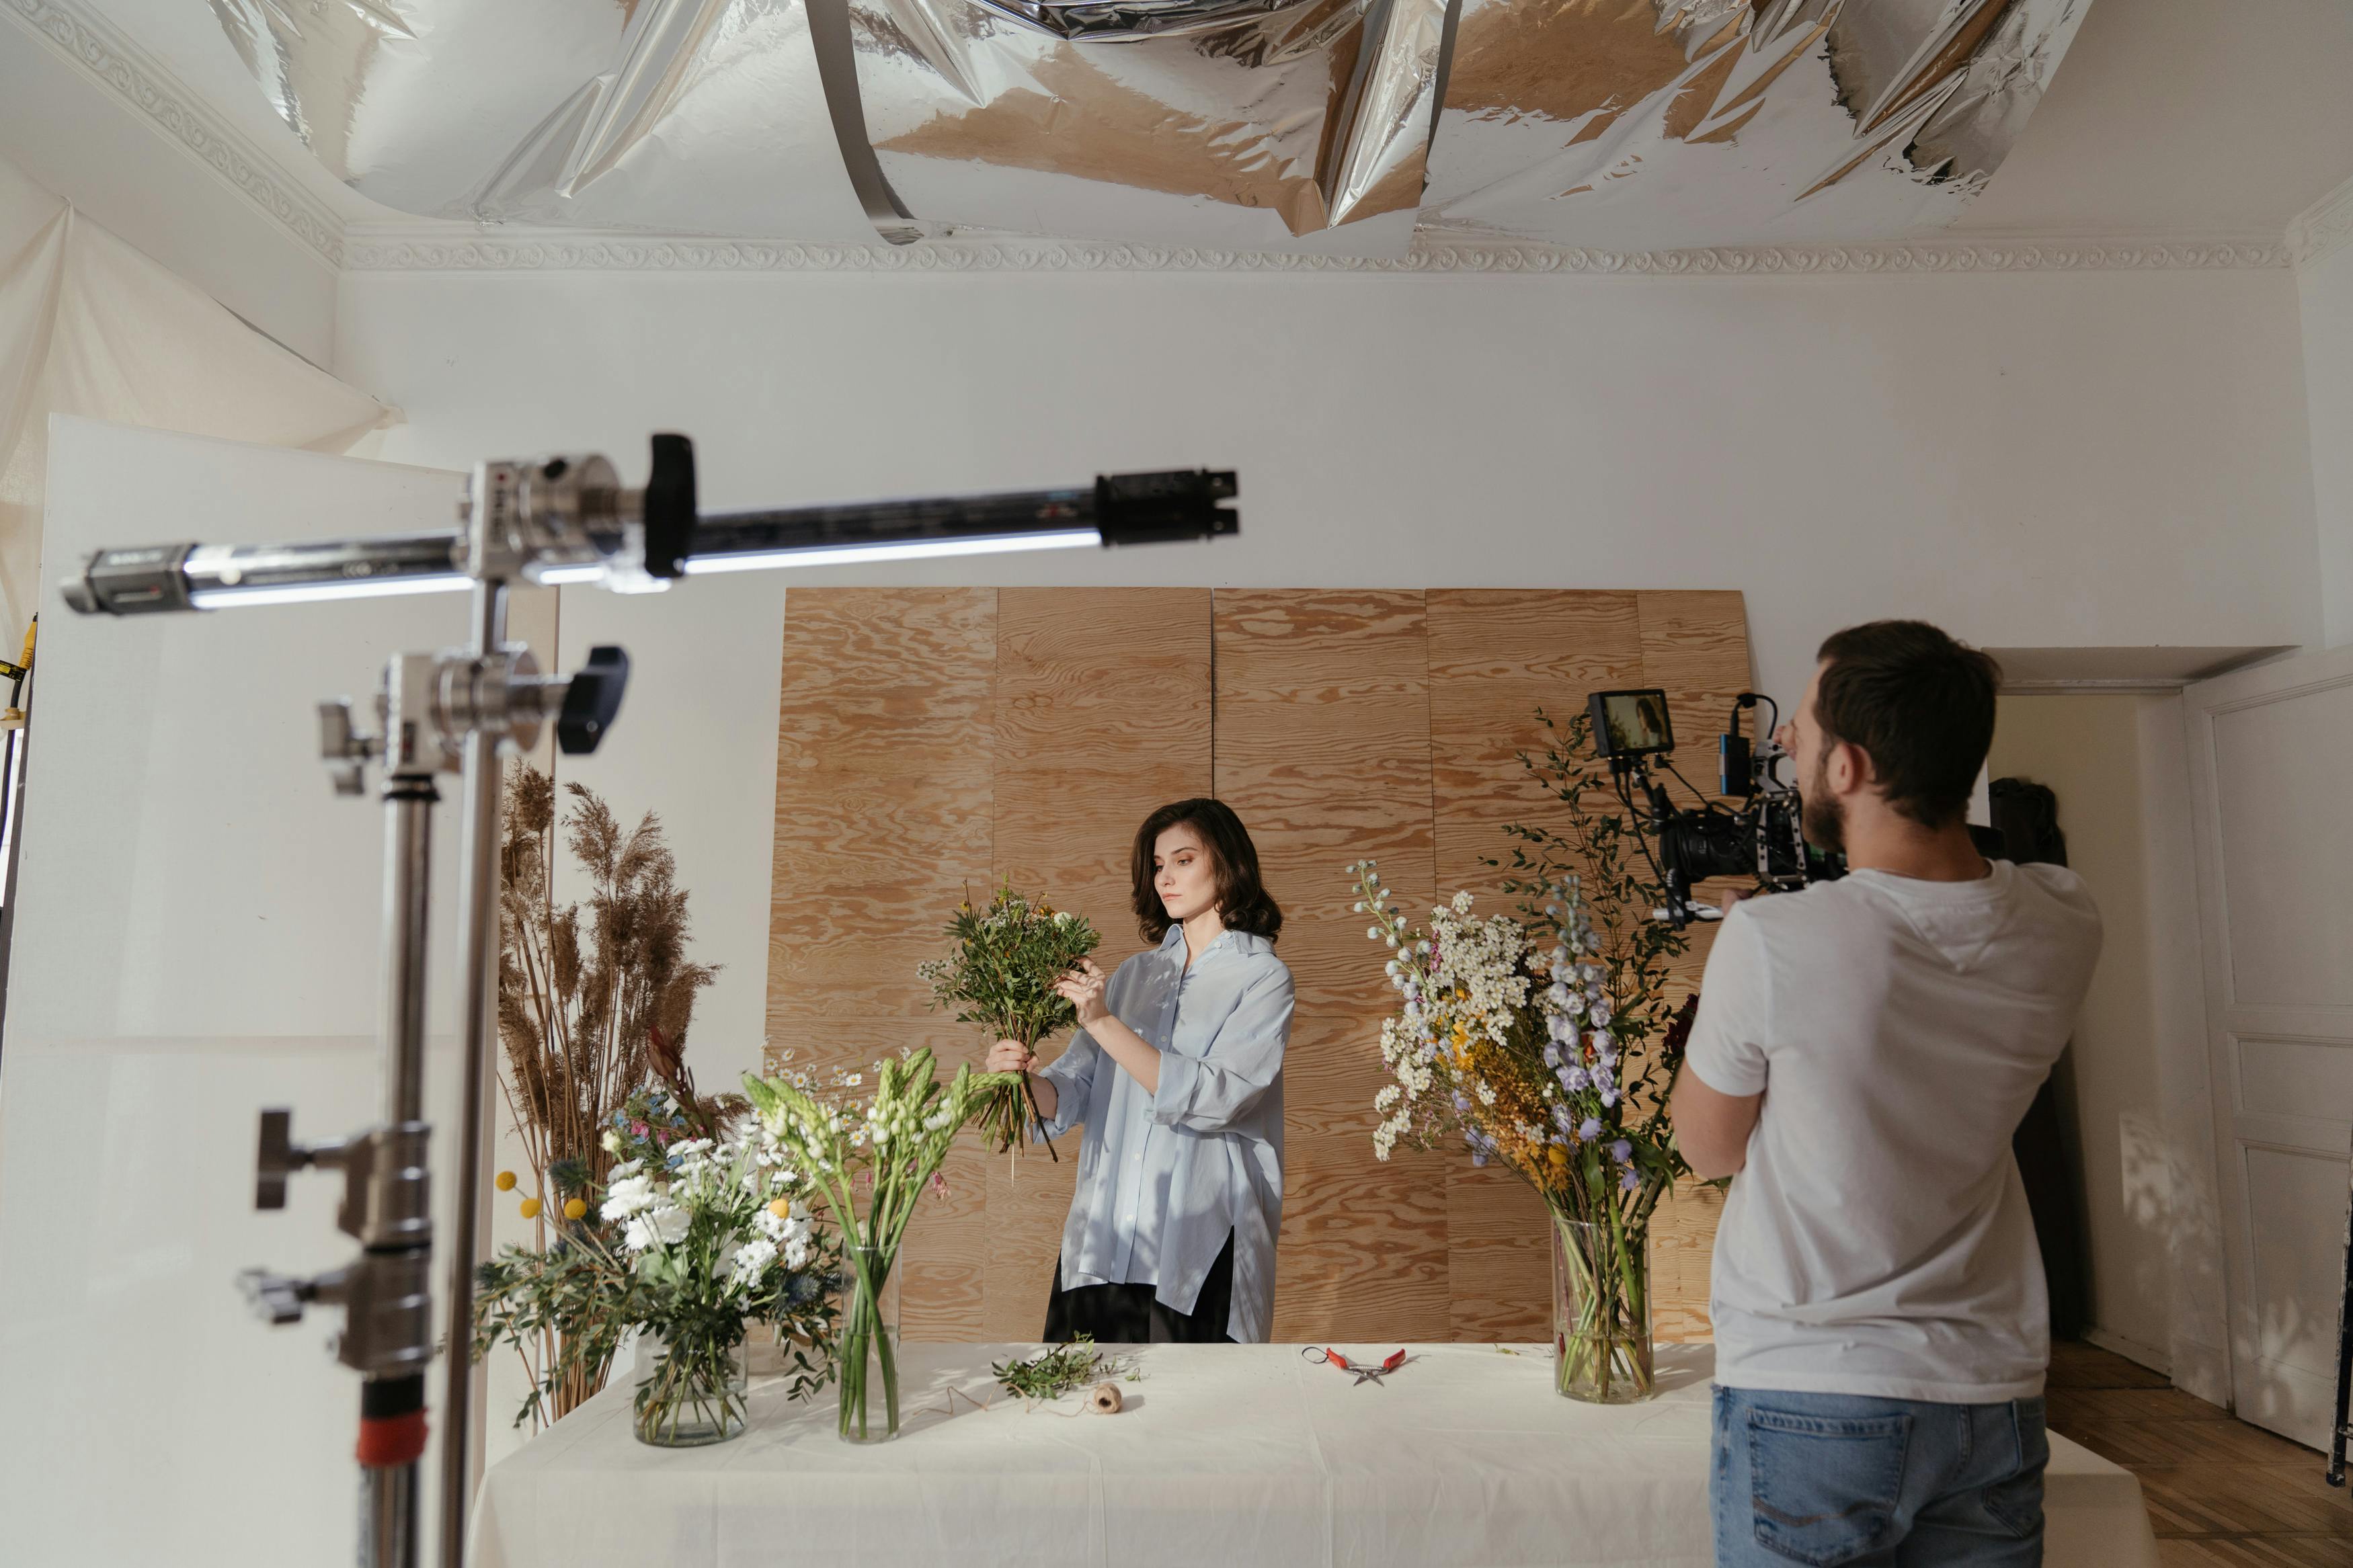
column 896, row 550
column 311, row 593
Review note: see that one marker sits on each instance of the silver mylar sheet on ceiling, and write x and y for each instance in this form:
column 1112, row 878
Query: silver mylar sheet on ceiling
column 1656, row 124
column 1276, row 129
column 1226, row 124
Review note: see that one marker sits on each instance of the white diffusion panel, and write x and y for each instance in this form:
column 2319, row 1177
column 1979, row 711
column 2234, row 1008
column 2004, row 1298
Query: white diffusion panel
column 196, row 939
column 2270, row 749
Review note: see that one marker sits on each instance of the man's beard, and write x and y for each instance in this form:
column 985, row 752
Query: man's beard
column 1824, row 819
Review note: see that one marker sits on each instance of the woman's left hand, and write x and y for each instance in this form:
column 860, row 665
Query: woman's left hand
column 1082, row 988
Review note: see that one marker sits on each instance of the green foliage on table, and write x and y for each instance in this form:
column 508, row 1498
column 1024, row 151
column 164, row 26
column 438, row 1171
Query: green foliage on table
column 999, row 974
column 1060, row 1369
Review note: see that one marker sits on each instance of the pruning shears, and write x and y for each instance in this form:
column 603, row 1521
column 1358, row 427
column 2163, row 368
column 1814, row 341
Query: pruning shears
column 1364, row 1373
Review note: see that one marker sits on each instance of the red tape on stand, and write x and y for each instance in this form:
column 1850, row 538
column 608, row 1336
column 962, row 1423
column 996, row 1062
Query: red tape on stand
column 389, row 1440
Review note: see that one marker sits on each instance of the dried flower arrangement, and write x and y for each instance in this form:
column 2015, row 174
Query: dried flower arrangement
column 596, row 997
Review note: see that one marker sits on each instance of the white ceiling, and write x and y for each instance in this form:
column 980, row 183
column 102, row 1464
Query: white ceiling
column 2183, row 117
column 2167, row 118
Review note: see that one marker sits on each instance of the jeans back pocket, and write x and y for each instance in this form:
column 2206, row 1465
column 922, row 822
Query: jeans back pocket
column 1824, row 1489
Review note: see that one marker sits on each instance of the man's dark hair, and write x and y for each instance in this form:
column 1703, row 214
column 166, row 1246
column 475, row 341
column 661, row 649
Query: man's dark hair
column 1243, row 902
column 1920, row 704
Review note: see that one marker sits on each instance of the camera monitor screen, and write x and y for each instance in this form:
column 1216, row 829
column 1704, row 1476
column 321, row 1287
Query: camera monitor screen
column 1631, row 724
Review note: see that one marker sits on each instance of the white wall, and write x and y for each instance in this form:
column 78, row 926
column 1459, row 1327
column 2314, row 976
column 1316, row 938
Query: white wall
column 196, row 939
column 2138, row 1056
column 2030, row 459
column 2325, row 286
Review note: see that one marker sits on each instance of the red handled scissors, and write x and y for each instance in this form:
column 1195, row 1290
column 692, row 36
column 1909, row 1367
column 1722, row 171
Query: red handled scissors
column 1372, row 1374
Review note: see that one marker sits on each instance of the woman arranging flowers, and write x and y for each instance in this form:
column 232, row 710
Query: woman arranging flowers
column 1177, row 1073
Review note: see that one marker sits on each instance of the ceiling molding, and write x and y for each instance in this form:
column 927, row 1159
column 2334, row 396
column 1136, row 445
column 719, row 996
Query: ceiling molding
column 104, row 53
column 372, row 248
column 2323, row 229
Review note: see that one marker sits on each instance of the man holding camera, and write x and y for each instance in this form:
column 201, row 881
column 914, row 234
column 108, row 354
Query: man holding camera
column 1862, row 1053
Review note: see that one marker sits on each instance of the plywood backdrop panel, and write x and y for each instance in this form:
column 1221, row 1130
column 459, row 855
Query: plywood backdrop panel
column 884, row 818
column 1103, row 714
column 935, row 738
column 1322, row 750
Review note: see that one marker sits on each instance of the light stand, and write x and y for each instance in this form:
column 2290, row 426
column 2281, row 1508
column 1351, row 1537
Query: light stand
column 563, row 520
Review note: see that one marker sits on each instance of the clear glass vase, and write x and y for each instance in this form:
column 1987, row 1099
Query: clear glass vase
column 690, row 1391
column 868, row 1364
column 1601, row 1312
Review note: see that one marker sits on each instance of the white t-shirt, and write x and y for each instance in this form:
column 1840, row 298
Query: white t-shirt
column 1878, row 1241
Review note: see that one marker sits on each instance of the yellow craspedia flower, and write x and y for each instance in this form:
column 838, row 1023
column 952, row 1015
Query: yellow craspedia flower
column 531, row 1208
column 782, row 1208
column 575, row 1207
column 506, row 1181
column 1559, row 1158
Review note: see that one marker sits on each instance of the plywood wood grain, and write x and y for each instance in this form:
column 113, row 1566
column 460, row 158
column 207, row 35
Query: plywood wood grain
column 1322, row 748
column 882, row 819
column 1496, row 657
column 1103, row 714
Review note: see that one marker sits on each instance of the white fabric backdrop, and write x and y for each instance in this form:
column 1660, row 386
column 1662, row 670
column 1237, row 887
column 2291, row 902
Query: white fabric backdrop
column 91, row 326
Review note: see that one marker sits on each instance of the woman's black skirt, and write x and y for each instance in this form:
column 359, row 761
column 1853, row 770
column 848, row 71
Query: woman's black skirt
column 1129, row 1315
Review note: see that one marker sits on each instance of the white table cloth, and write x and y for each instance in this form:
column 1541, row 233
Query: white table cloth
column 1226, row 1456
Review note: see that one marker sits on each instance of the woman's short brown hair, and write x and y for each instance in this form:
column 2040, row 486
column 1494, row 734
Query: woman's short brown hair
column 1243, row 902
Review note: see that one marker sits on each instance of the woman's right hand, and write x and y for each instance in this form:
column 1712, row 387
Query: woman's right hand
column 1010, row 1056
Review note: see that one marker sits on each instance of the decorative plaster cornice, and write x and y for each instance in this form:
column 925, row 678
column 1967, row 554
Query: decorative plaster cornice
column 2323, row 229
column 388, row 250
column 102, row 51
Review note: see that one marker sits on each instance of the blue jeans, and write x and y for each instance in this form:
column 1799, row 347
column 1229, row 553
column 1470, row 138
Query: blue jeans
column 1841, row 1478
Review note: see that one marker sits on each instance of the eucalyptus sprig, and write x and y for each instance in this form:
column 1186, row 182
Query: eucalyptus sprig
column 1060, row 1369
column 999, row 974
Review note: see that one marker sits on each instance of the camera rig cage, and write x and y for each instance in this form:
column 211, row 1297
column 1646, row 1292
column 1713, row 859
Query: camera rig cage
column 1763, row 837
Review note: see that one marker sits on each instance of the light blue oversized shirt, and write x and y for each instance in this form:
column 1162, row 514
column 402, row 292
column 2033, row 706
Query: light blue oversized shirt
column 1164, row 1177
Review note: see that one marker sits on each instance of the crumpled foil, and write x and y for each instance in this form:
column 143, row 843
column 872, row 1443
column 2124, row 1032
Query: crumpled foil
column 1321, row 125
column 1658, row 124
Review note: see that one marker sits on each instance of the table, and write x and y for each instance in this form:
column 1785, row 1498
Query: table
column 1226, row 1456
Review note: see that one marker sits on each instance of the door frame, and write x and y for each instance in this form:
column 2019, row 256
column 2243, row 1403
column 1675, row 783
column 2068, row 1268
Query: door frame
column 2230, row 1021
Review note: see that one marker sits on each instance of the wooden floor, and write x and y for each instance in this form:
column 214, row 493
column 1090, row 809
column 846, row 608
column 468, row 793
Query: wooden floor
column 2219, row 1490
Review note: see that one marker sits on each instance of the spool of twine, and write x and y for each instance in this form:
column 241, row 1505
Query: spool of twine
column 1104, row 1400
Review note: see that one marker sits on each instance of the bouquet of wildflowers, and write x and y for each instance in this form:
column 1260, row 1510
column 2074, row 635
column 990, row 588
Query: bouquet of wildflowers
column 1548, row 1044
column 889, row 1148
column 1000, row 974
column 690, row 1243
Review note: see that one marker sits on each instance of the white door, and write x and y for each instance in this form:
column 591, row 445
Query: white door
column 2270, row 754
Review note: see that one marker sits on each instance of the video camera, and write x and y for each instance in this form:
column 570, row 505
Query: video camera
column 1763, row 837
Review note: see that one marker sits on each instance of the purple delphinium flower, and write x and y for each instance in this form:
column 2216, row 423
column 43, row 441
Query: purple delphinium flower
column 1574, row 1079
column 1629, row 1182
column 1589, row 1129
column 1622, row 1151
column 1609, row 1098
